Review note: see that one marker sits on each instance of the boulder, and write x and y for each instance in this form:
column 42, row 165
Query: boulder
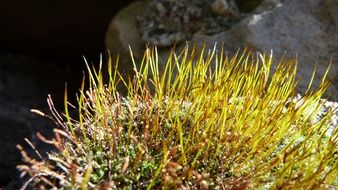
column 332, row 7
column 122, row 33
column 303, row 29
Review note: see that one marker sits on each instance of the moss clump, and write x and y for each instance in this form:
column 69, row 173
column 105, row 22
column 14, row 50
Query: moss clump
column 218, row 123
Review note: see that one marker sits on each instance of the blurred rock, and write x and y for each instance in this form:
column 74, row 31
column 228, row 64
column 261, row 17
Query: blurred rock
column 180, row 20
column 123, row 33
column 224, row 8
column 332, row 7
column 303, row 29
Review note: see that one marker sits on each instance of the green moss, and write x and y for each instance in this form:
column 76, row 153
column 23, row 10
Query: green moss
column 218, row 122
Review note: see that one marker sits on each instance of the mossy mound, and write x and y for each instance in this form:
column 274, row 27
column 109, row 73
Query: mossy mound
column 206, row 121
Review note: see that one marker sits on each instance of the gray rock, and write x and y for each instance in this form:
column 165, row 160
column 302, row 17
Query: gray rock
column 165, row 22
column 123, row 33
column 332, row 7
column 224, row 8
column 306, row 30
column 301, row 29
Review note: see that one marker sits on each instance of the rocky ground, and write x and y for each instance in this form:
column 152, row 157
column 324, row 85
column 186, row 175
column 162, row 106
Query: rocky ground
column 24, row 84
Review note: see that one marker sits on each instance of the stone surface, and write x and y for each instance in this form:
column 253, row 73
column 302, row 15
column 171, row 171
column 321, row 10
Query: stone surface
column 123, row 33
column 303, row 29
column 164, row 22
column 332, row 7
column 224, row 8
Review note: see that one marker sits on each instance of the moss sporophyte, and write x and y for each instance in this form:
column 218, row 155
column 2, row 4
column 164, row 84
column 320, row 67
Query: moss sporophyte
column 203, row 121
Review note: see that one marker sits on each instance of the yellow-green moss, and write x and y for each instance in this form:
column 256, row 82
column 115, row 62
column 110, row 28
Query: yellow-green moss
column 218, row 123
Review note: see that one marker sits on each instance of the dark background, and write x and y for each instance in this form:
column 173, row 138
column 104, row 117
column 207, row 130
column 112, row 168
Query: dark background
column 41, row 47
column 64, row 30
column 59, row 31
